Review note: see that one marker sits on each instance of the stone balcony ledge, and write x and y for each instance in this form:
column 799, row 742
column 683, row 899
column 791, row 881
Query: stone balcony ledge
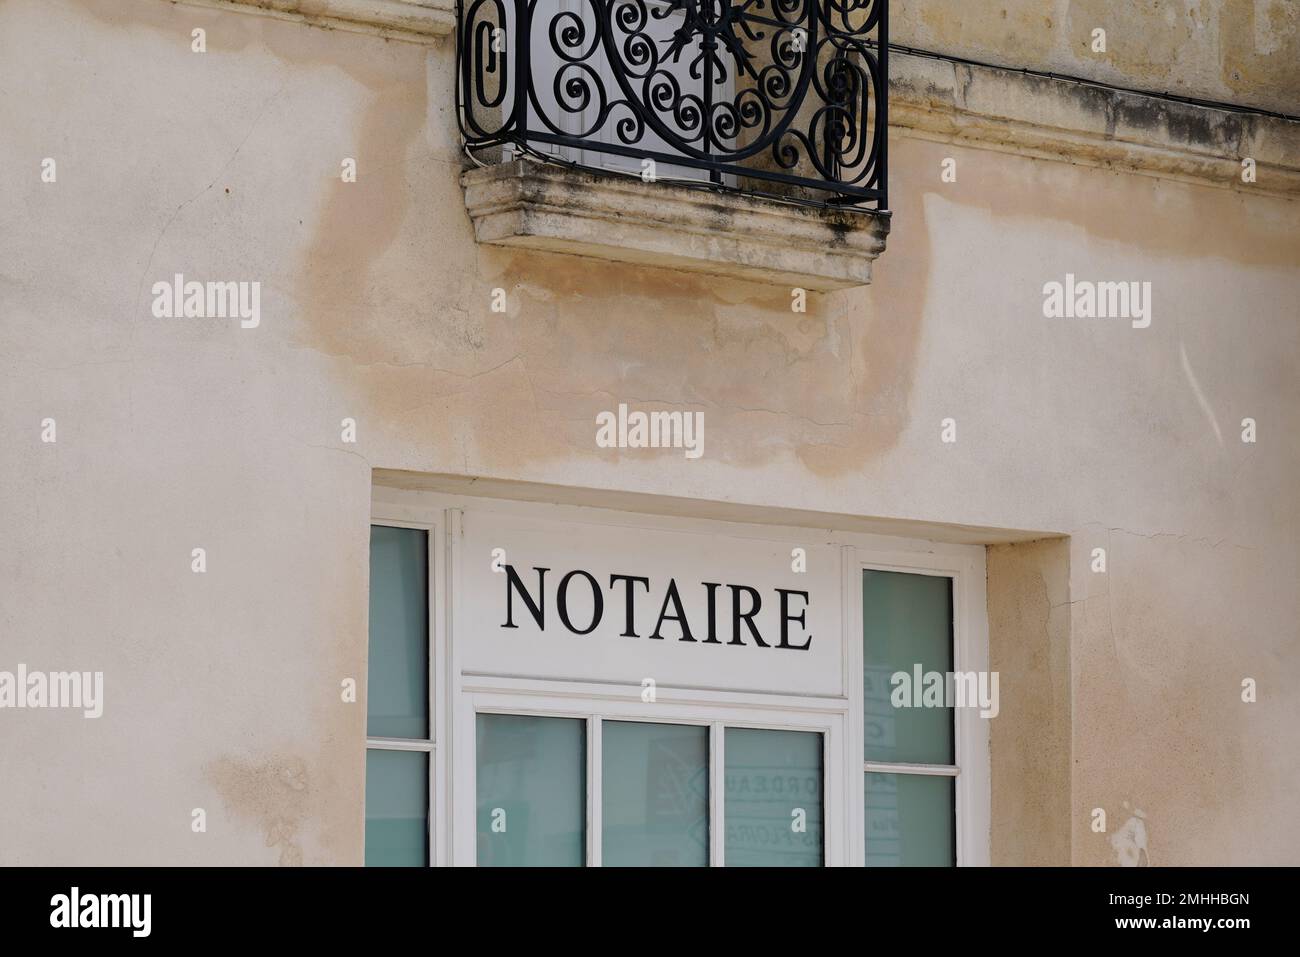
column 620, row 218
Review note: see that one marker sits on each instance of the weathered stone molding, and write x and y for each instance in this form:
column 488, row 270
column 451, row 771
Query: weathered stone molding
column 543, row 206
column 420, row 21
column 1006, row 110
column 981, row 106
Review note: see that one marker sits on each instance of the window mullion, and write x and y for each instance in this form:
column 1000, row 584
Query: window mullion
column 717, row 784
column 594, row 800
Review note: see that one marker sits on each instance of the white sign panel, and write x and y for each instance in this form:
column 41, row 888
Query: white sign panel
column 588, row 602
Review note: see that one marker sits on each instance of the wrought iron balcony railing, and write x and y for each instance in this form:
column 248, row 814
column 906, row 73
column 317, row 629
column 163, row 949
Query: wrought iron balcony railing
column 783, row 98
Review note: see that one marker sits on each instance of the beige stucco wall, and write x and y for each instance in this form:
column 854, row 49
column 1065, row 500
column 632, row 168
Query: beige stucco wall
column 222, row 689
column 1030, row 745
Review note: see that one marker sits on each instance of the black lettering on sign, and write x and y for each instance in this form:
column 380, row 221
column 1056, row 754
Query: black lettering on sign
column 746, row 603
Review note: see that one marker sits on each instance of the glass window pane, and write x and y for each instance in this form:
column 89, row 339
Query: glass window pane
column 532, row 791
column 907, row 627
column 773, row 798
column 397, row 808
column 656, row 795
column 397, row 695
column 911, row 820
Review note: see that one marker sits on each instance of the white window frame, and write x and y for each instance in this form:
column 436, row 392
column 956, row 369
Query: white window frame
column 435, row 596
column 970, row 642
column 457, row 697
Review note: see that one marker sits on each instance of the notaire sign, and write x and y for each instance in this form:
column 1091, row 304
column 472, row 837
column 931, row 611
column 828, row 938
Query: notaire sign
column 738, row 604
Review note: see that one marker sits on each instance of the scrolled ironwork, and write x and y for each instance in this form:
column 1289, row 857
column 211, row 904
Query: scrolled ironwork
column 783, row 97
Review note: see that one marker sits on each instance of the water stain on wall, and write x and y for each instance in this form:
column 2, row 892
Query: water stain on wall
column 767, row 379
column 1245, row 51
column 459, row 386
column 450, row 378
column 1260, row 51
column 1022, row 27
column 1190, row 221
column 273, row 794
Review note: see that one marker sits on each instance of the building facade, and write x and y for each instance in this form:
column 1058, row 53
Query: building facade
column 409, row 479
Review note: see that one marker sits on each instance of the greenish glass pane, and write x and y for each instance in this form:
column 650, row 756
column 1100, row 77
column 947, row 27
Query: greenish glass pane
column 911, row 820
column 532, row 791
column 656, row 795
column 397, row 808
column 773, row 798
column 397, row 688
column 906, row 627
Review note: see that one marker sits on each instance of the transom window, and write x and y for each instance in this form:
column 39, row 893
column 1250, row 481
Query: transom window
column 539, row 793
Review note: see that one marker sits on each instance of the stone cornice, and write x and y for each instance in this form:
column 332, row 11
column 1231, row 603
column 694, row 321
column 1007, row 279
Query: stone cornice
column 982, row 106
column 992, row 108
column 419, row 21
